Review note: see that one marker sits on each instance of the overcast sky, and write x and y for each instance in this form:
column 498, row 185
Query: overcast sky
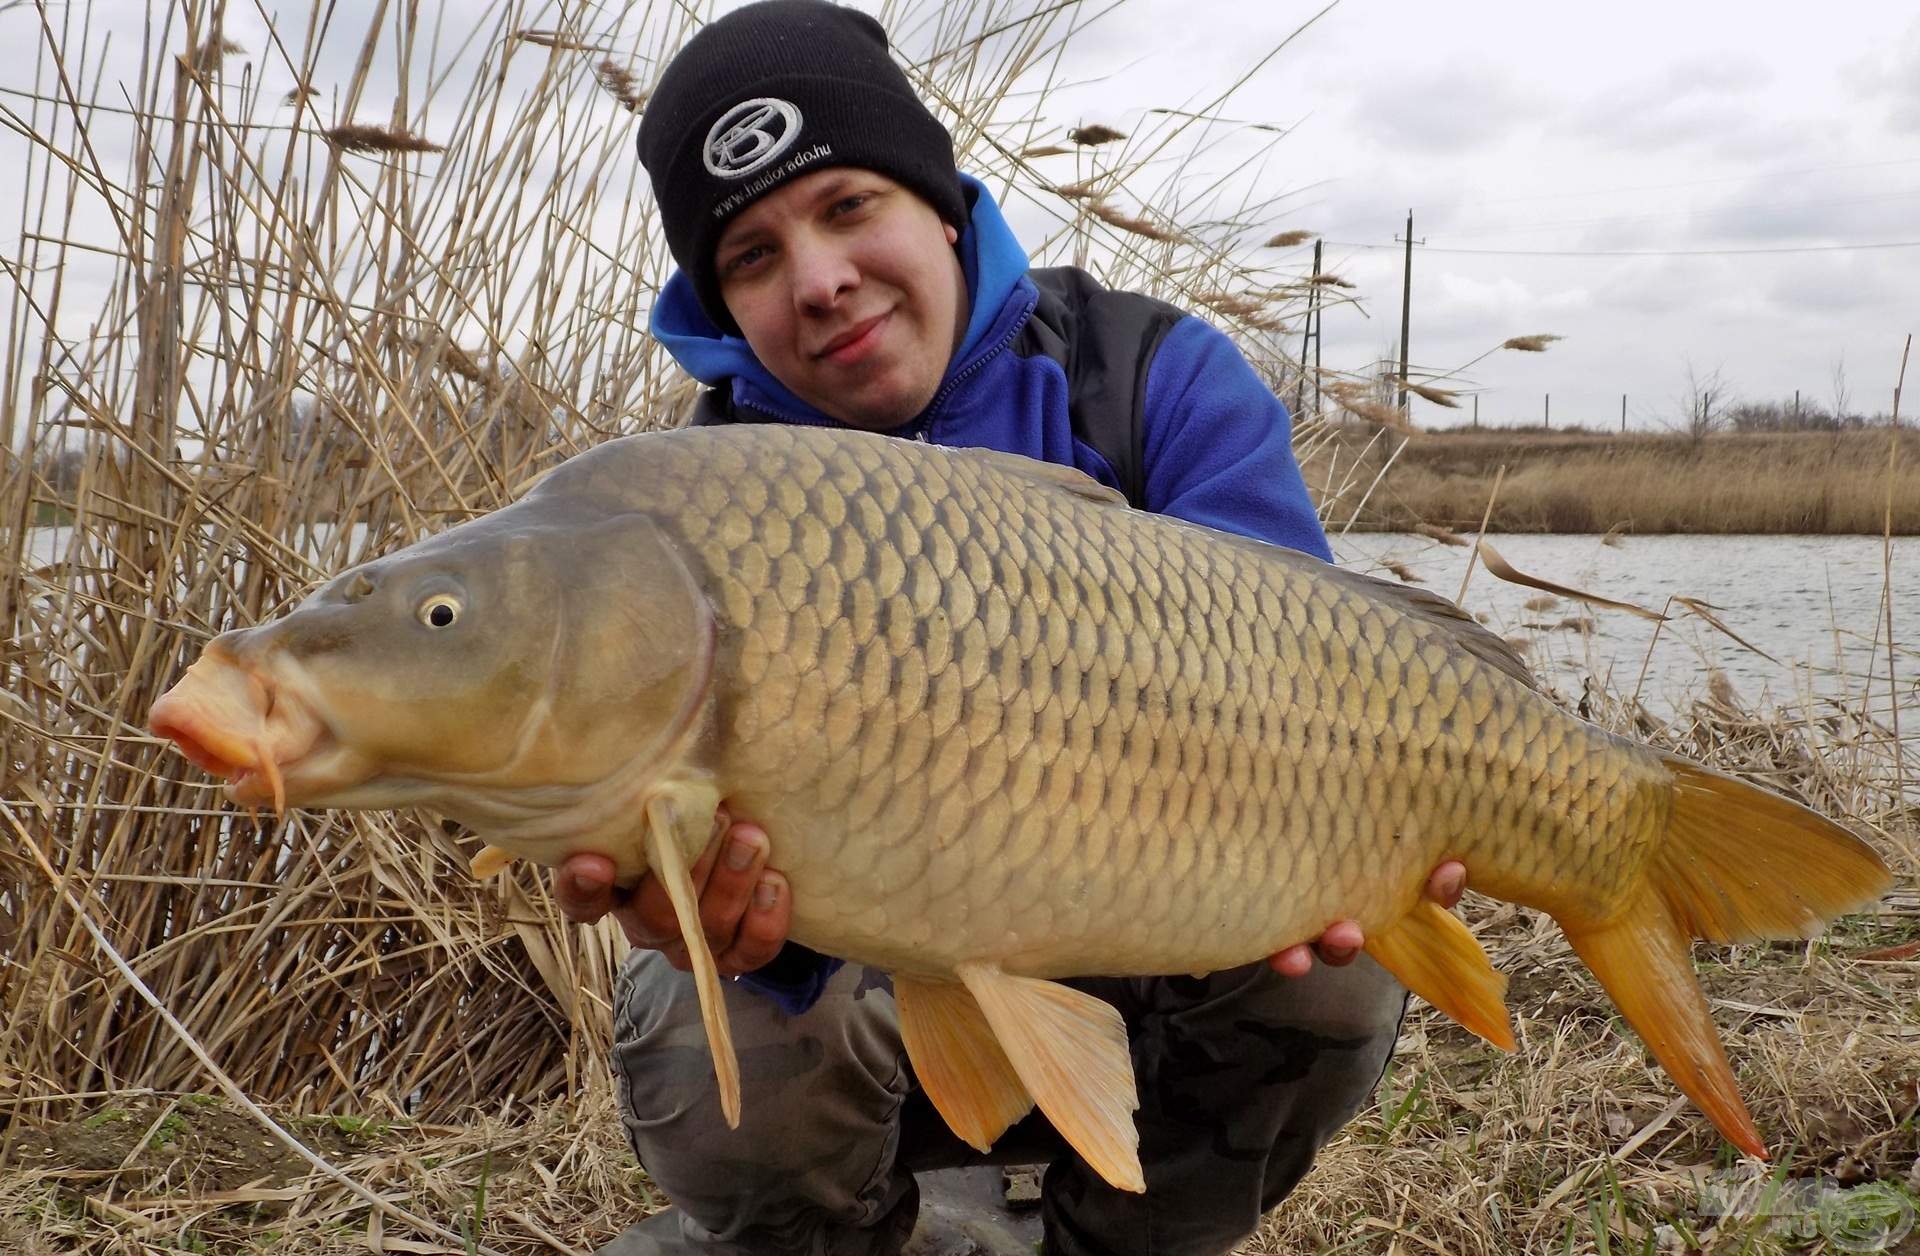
column 1709, row 138
column 1670, row 129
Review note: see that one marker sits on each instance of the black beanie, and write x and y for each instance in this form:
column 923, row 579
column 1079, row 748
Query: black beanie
column 768, row 93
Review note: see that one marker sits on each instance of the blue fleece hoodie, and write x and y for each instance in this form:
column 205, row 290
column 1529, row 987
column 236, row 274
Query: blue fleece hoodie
column 1217, row 444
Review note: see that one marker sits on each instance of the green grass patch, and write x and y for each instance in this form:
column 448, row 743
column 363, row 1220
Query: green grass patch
column 171, row 1127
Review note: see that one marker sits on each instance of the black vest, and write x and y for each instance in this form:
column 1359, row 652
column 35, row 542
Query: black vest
column 1103, row 340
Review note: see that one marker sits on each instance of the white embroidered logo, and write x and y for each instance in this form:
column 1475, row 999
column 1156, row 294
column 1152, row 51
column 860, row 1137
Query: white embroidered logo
column 750, row 135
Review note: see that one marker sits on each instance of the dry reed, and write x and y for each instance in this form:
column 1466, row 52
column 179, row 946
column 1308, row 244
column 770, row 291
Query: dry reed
column 251, row 358
column 1438, row 396
column 358, row 137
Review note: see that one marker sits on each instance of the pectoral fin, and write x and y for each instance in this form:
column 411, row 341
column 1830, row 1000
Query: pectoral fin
column 489, row 861
column 958, row 1060
column 669, row 819
column 1070, row 1052
column 1435, row 956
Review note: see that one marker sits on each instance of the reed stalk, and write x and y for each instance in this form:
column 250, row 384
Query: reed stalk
column 308, row 293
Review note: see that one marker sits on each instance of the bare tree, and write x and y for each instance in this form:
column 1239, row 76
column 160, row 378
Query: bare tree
column 1705, row 403
column 1842, row 395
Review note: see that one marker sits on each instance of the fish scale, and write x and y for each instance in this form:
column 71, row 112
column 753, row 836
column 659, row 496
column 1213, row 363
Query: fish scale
column 1221, row 652
column 1000, row 728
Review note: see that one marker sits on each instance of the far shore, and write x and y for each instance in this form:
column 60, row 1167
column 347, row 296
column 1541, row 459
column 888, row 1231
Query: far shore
column 1588, row 482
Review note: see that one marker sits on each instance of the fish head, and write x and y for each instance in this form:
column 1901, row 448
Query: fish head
column 503, row 667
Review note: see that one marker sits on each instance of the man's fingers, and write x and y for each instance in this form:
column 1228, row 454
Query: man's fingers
column 676, row 954
column 730, row 885
column 651, row 921
column 703, row 866
column 763, row 930
column 1448, row 883
column 1340, row 944
column 1295, row 961
column 1343, row 941
column 583, row 888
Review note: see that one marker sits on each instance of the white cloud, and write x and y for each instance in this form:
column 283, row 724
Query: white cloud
column 1440, row 111
column 1894, row 76
column 1505, row 295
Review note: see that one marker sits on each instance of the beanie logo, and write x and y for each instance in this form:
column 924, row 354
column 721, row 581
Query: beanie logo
column 749, row 135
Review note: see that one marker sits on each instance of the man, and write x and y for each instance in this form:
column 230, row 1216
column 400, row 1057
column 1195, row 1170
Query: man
column 837, row 270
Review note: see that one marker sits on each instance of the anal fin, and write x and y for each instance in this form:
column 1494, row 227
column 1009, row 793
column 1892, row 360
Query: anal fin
column 1434, row 955
column 958, row 1060
column 671, row 819
column 1070, row 1052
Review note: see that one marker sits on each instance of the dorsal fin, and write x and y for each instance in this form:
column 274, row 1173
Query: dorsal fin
column 1487, row 646
column 1049, row 474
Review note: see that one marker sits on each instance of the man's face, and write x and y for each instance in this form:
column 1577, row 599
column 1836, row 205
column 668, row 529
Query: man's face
column 846, row 286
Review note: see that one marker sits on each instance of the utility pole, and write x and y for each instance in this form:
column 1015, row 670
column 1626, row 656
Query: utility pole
column 1547, row 415
column 1406, row 313
column 1476, row 410
column 1311, row 334
column 1319, row 321
column 1623, row 414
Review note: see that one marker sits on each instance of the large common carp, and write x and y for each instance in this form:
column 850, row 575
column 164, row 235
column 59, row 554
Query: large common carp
column 1001, row 729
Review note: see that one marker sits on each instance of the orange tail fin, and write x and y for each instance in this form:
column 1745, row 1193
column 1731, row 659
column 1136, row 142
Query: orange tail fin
column 1737, row 864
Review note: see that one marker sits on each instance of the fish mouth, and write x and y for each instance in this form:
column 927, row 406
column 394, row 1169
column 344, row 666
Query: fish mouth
column 234, row 722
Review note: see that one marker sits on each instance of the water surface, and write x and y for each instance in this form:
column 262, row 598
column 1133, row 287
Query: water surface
column 1815, row 603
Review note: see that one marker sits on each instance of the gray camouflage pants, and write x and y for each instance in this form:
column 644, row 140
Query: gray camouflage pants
column 1244, row 1075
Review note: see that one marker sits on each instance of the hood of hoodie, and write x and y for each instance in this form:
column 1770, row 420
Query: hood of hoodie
column 995, row 266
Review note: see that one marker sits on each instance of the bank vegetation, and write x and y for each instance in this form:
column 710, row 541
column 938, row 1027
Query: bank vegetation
column 1858, row 481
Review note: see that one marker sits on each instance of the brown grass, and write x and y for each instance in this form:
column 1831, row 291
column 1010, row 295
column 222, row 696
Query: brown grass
column 622, row 84
column 359, row 137
column 1138, row 224
column 1773, row 483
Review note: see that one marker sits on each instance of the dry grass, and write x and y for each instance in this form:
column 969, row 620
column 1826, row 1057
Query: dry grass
column 1812, row 482
column 241, row 355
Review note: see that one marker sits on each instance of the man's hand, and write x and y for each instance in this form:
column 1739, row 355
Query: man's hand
column 1343, row 940
column 745, row 909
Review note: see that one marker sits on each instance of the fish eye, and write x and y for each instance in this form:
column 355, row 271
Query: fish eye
column 442, row 610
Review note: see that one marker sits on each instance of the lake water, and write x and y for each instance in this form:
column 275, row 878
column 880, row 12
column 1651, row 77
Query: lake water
column 1815, row 603
column 1812, row 602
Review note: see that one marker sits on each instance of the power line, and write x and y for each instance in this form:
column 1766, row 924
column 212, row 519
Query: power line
column 1695, row 183
column 1801, row 248
column 1709, row 211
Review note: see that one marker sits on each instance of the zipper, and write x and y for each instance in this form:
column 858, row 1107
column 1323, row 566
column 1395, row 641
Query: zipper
column 972, row 368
